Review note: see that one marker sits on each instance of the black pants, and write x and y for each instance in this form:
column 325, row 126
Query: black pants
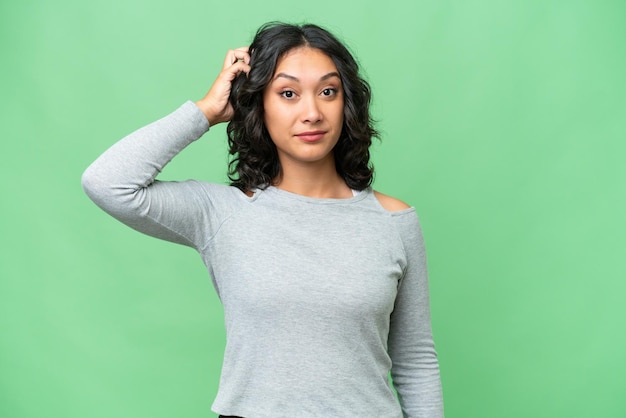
column 228, row 416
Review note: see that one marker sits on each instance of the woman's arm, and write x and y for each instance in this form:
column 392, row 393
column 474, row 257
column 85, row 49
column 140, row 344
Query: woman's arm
column 415, row 370
column 122, row 181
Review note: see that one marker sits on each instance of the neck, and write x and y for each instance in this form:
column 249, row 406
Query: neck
column 312, row 180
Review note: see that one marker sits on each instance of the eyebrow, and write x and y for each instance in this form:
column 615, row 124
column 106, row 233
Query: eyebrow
column 324, row 77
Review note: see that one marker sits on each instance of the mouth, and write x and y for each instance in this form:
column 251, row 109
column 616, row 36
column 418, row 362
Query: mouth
column 311, row 136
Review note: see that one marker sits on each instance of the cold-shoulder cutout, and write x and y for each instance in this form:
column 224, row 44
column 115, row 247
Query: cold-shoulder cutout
column 390, row 204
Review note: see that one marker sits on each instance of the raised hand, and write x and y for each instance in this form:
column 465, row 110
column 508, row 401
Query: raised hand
column 215, row 104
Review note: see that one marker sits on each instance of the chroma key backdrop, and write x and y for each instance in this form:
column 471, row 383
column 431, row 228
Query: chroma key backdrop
column 502, row 122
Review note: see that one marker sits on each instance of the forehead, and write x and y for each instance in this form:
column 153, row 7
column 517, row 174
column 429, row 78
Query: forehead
column 303, row 61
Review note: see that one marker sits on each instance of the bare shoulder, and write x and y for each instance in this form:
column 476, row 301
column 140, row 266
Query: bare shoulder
column 390, row 204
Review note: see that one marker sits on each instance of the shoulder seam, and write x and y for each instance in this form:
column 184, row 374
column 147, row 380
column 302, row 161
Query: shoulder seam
column 245, row 200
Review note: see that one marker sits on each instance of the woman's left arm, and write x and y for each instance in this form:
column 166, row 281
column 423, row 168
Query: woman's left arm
column 415, row 370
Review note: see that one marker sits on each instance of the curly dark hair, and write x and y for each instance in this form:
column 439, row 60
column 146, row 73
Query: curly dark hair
column 255, row 162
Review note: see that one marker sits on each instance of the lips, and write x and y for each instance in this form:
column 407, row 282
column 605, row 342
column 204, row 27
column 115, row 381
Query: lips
column 311, row 136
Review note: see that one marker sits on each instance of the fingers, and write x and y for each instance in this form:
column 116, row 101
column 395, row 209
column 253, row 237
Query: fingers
column 215, row 104
column 235, row 55
column 228, row 74
column 236, row 61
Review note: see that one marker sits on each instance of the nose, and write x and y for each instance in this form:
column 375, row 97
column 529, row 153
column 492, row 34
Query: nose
column 311, row 112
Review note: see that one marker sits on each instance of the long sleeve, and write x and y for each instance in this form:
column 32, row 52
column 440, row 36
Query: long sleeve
column 122, row 180
column 306, row 304
column 415, row 370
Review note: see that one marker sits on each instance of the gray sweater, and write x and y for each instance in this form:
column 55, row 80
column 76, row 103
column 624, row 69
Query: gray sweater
column 322, row 297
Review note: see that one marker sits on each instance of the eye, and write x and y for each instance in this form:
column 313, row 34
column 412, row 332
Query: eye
column 329, row 92
column 288, row 94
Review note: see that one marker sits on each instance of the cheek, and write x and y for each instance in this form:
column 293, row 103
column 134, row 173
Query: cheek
column 273, row 122
column 339, row 114
column 269, row 114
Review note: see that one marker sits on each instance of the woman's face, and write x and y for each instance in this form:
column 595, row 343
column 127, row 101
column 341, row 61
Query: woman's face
column 303, row 106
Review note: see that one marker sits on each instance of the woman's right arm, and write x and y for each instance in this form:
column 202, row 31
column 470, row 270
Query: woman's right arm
column 122, row 181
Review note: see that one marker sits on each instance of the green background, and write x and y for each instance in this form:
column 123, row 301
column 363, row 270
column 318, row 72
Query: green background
column 503, row 123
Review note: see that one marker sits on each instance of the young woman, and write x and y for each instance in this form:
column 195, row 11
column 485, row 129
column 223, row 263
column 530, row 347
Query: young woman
column 323, row 280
